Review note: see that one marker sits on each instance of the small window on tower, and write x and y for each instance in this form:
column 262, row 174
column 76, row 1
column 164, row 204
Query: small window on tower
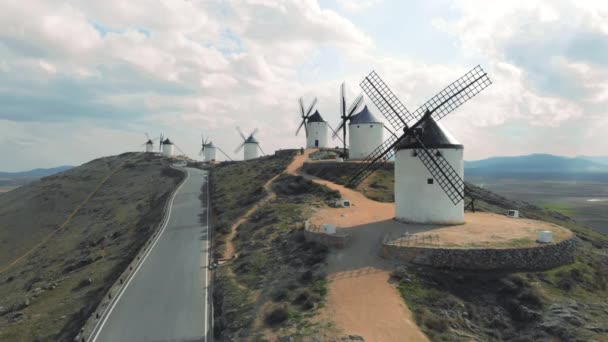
column 437, row 154
column 357, row 126
column 371, row 126
column 414, row 154
column 429, row 181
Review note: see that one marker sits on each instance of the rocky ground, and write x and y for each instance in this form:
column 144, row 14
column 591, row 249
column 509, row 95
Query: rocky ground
column 54, row 271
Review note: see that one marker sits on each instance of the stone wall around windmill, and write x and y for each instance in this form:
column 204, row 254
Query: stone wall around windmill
column 536, row 258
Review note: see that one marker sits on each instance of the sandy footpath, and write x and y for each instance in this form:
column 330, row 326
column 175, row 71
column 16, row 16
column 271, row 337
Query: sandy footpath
column 361, row 299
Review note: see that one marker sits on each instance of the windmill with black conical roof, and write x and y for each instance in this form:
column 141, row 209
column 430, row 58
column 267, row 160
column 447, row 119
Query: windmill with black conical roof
column 209, row 149
column 149, row 144
column 250, row 145
column 315, row 126
column 167, row 147
column 429, row 172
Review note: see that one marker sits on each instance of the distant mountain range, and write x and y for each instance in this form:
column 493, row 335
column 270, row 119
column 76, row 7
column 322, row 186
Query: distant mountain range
column 536, row 164
column 35, row 173
column 600, row 160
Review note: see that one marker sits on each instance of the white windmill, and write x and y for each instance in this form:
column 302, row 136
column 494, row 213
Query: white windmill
column 429, row 172
column 364, row 134
column 149, row 144
column 314, row 126
column 167, row 147
column 207, row 149
column 250, row 145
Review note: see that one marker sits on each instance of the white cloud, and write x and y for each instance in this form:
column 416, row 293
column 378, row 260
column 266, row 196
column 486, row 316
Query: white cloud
column 357, row 5
column 182, row 67
column 178, row 66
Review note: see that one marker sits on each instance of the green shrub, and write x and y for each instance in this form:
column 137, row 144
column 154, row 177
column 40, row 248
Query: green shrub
column 277, row 316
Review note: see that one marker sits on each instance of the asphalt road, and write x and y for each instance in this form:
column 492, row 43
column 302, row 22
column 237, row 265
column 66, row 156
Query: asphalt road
column 166, row 300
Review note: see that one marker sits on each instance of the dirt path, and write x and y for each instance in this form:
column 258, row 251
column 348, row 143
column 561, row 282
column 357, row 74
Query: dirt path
column 295, row 164
column 229, row 251
column 361, row 300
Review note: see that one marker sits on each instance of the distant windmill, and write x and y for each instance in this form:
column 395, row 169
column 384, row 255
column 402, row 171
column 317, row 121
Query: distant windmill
column 250, row 145
column 425, row 153
column 346, row 115
column 167, row 147
column 208, row 150
column 314, row 125
column 149, row 144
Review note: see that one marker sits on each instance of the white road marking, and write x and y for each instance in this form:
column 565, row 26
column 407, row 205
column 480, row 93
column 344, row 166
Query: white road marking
column 207, row 264
column 117, row 298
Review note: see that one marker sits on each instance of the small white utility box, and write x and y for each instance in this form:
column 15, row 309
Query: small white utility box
column 513, row 213
column 343, row 203
column 545, row 236
column 329, row 228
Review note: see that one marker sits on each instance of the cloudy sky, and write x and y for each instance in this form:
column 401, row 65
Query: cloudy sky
column 84, row 79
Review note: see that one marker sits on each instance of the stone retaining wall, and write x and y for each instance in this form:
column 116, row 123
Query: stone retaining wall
column 337, row 240
column 532, row 258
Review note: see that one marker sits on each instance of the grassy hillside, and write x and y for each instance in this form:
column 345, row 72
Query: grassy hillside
column 237, row 186
column 379, row 186
column 49, row 293
column 9, row 180
column 276, row 284
column 568, row 303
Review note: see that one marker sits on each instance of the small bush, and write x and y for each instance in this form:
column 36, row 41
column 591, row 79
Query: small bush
column 438, row 324
column 279, row 295
column 530, row 297
column 301, row 297
column 306, row 277
column 566, row 284
column 308, row 305
column 277, row 316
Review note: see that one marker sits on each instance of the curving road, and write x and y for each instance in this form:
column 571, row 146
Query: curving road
column 167, row 299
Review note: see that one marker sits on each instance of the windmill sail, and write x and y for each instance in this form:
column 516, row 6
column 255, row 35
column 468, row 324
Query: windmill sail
column 398, row 116
column 456, row 94
column 387, row 103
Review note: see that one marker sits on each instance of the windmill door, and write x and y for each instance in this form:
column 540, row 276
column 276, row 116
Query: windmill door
column 316, row 142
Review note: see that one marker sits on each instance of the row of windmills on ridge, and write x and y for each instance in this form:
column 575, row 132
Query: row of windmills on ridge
column 166, row 147
column 429, row 167
column 364, row 129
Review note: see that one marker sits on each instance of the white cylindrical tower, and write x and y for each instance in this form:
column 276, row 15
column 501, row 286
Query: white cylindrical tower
column 167, row 147
column 418, row 196
column 364, row 134
column 210, row 152
column 317, row 131
column 149, row 146
column 251, row 148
